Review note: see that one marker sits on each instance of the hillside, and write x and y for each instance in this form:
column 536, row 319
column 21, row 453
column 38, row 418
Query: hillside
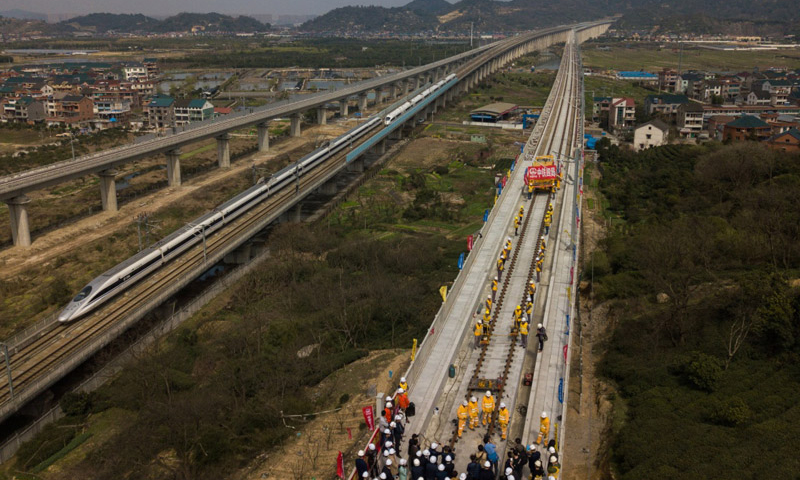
column 183, row 22
column 738, row 16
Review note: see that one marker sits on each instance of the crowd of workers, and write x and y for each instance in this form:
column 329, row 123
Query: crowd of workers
column 384, row 459
column 432, row 461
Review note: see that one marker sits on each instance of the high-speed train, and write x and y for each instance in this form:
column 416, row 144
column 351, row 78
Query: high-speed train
column 124, row 275
column 394, row 114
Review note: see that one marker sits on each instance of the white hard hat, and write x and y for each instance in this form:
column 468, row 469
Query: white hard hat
column 531, row 447
column 552, row 449
column 463, row 476
column 393, row 424
column 388, row 398
column 400, row 390
column 448, row 458
column 426, row 452
column 388, row 404
column 388, row 462
column 544, row 414
column 502, row 405
column 402, row 461
column 539, row 325
column 388, row 444
column 371, row 446
column 488, row 393
column 419, row 453
column 509, row 477
column 402, row 379
column 508, row 471
column 464, row 403
column 382, row 476
column 508, row 238
column 365, row 475
column 432, row 459
column 473, row 399
column 538, row 463
column 392, row 451
column 361, row 453
column 553, row 459
column 416, row 462
column 489, row 297
column 386, row 452
column 441, row 467
column 487, row 464
column 434, row 445
column 386, row 430
column 495, row 278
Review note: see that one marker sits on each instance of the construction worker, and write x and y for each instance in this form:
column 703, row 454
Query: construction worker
column 401, row 399
column 463, row 415
column 531, row 289
column 478, row 330
column 489, row 303
column 500, row 267
column 550, row 208
column 388, row 412
column 487, row 316
column 507, row 246
column 473, row 413
column 530, row 191
column 523, row 332
column 502, row 418
column 543, row 243
column 488, row 407
column 494, row 288
column 529, row 307
column 541, row 334
column 518, row 313
column 521, row 211
column 538, row 268
column 403, row 384
column 516, row 225
column 544, row 428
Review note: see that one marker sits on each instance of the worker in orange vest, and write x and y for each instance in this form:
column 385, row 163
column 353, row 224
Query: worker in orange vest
column 473, row 413
column 463, row 415
column 401, row 399
column 488, row 407
column 544, row 428
column 503, row 416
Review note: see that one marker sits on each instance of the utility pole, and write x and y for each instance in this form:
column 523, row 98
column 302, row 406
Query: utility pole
column 471, row 24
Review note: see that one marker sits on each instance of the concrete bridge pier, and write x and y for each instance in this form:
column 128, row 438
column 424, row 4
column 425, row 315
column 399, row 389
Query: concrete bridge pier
column 263, row 137
column 380, row 148
column 406, row 87
column 328, row 188
column 394, row 91
column 20, row 225
column 224, row 151
column 322, row 116
column 295, row 131
column 108, row 190
column 240, row 256
column 344, row 108
column 174, row 168
column 362, row 102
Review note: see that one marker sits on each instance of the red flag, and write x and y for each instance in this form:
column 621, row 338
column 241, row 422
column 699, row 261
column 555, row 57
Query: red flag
column 349, row 434
column 565, row 352
column 505, row 179
column 340, row 465
column 369, row 417
column 469, row 243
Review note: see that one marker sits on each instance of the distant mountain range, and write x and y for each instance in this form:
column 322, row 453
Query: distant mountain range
column 26, row 22
column 677, row 16
column 743, row 17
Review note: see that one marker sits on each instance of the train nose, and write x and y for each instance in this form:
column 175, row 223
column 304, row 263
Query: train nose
column 66, row 314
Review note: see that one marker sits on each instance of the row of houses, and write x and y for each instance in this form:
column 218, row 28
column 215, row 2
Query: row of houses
column 772, row 87
column 89, row 95
column 779, row 132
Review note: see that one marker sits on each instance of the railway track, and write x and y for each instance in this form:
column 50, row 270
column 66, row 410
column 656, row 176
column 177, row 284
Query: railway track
column 43, row 356
column 556, row 138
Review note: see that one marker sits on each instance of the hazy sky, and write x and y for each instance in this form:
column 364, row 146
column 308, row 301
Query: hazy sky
column 171, row 7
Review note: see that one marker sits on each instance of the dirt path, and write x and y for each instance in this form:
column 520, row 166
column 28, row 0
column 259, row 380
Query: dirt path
column 586, row 449
column 48, row 246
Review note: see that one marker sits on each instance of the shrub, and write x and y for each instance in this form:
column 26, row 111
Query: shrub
column 703, row 371
column 732, row 413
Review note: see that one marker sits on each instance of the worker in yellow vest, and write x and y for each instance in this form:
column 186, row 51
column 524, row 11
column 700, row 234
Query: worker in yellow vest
column 463, row 415
column 523, row 332
column 503, row 416
column 529, row 307
column 478, row 330
column 500, row 262
column 518, row 313
column 521, row 210
column 547, row 221
column 544, row 429
column 489, row 302
column 530, row 191
column 494, row 288
column 404, row 384
column 516, row 225
column 531, row 289
column 488, row 407
column 473, row 413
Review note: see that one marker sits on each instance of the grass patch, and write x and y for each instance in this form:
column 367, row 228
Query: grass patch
column 77, row 441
